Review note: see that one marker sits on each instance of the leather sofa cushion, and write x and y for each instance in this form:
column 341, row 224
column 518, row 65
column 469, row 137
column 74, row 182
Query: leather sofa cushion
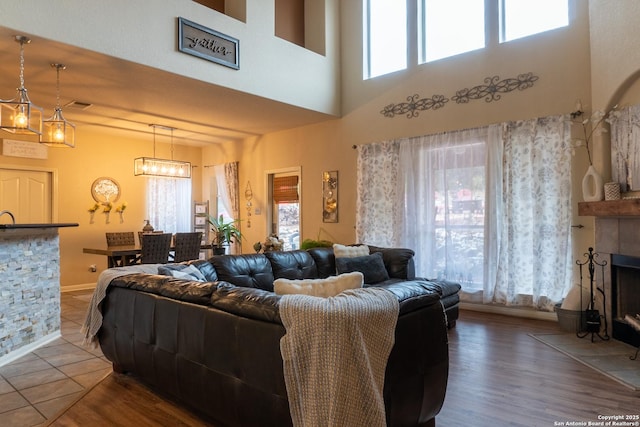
column 293, row 265
column 206, row 268
column 249, row 271
column 325, row 261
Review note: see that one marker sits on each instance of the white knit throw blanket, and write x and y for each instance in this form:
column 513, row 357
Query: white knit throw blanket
column 335, row 354
column 93, row 320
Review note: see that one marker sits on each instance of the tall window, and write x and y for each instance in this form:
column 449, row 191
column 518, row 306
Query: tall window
column 450, row 27
column 524, row 18
column 385, row 36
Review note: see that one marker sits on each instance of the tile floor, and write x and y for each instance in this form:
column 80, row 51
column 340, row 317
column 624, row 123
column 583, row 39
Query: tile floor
column 41, row 383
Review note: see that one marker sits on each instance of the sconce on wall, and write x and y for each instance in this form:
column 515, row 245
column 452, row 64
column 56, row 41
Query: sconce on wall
column 248, row 195
column 330, row 196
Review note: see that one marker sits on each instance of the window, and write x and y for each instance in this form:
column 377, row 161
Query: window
column 524, row 18
column 169, row 204
column 487, row 207
column 446, row 28
column 450, row 27
column 385, row 32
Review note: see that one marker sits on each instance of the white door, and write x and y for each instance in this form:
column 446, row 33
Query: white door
column 27, row 194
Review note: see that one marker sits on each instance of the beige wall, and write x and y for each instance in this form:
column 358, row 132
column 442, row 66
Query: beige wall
column 144, row 32
column 560, row 58
column 96, row 155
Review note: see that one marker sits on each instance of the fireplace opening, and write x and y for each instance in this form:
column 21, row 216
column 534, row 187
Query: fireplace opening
column 625, row 293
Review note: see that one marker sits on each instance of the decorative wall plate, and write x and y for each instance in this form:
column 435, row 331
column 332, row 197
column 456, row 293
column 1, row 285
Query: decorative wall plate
column 105, row 190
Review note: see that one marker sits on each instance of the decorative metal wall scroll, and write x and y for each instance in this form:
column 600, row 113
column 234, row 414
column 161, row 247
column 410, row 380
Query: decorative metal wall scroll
column 491, row 90
column 330, row 196
column 415, row 104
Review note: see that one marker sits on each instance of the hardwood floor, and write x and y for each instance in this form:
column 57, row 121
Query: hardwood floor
column 499, row 376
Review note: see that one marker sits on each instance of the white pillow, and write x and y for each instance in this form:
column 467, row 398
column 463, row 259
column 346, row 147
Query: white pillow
column 329, row 287
column 342, row 251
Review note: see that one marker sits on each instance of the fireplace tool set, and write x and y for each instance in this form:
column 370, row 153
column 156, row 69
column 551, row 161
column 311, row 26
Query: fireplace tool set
column 592, row 314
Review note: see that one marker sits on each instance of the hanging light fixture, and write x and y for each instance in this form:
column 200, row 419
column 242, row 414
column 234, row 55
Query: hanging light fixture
column 153, row 166
column 20, row 115
column 57, row 131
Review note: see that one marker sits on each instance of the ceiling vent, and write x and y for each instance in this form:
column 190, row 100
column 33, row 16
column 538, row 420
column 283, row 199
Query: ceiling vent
column 78, row 105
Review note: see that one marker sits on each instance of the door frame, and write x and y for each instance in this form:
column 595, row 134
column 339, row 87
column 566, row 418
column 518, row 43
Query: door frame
column 53, row 172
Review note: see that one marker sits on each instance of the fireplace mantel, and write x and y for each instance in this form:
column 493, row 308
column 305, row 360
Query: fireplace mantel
column 610, row 208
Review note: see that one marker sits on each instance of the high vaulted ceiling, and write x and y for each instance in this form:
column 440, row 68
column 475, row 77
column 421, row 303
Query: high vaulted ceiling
column 127, row 97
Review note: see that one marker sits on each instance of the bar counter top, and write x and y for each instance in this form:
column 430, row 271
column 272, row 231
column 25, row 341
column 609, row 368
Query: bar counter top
column 47, row 225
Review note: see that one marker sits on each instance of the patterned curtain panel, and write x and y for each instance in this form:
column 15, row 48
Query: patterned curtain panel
column 489, row 208
column 227, row 178
column 377, row 198
column 625, row 147
column 534, row 265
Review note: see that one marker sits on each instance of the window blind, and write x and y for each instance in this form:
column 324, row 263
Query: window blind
column 285, row 189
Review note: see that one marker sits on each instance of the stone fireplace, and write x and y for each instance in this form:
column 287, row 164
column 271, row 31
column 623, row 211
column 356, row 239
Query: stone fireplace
column 617, row 240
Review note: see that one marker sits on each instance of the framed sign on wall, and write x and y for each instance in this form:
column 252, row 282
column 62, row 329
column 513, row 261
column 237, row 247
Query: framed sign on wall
column 197, row 40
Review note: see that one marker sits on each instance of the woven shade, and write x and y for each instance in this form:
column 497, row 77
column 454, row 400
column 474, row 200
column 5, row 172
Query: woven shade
column 285, row 189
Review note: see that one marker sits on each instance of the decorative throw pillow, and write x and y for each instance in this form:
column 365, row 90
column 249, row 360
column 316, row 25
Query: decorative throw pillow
column 329, row 287
column 182, row 271
column 371, row 266
column 342, row 251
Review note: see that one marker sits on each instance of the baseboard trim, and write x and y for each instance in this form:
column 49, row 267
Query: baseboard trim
column 510, row 311
column 26, row 349
column 79, row 287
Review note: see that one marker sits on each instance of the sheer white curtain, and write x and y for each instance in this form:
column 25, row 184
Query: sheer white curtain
column 489, row 208
column 227, row 179
column 169, row 204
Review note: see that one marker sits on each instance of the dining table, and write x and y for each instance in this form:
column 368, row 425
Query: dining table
column 124, row 255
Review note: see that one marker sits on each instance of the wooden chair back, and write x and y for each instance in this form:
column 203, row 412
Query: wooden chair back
column 187, row 246
column 155, row 248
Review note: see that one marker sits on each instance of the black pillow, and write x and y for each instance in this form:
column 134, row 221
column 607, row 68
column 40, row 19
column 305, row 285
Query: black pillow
column 371, row 266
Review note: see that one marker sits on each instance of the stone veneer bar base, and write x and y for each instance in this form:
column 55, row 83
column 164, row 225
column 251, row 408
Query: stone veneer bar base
column 29, row 288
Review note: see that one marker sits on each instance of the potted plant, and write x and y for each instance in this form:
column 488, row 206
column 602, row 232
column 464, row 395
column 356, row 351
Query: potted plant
column 224, row 233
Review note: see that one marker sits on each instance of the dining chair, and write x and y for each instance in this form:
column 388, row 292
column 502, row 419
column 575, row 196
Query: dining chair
column 121, row 239
column 155, row 248
column 140, row 233
column 187, row 246
column 126, row 238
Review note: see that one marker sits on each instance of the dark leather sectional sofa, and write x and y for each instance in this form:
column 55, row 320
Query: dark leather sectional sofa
column 214, row 345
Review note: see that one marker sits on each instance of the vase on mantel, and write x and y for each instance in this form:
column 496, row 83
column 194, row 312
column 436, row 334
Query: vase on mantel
column 592, row 185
